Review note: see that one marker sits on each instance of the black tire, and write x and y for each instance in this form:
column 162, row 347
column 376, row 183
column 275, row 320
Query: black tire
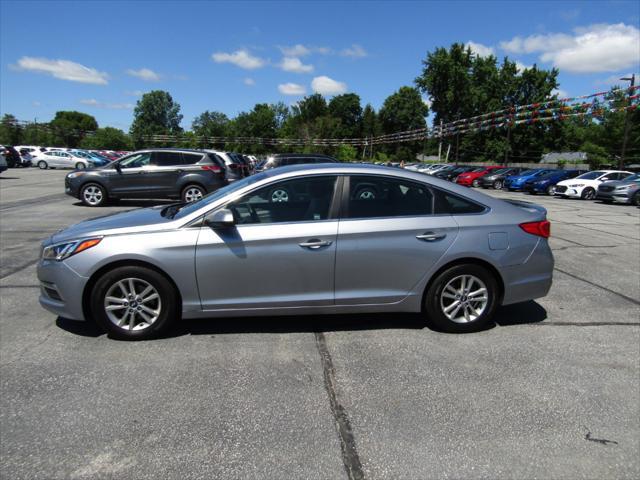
column 475, row 183
column 168, row 302
column 498, row 184
column 80, row 166
column 636, row 200
column 93, row 195
column 551, row 190
column 588, row 194
column 192, row 192
column 432, row 300
column 42, row 165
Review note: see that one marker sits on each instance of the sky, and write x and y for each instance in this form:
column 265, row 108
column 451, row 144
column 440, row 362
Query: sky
column 99, row 57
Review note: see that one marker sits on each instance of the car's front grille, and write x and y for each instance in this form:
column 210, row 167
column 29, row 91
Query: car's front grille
column 561, row 188
column 605, row 188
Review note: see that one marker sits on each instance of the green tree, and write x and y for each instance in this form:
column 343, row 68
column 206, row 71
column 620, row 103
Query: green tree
column 70, row 127
column 346, row 153
column 346, row 108
column 210, row 124
column 156, row 113
column 10, row 130
column 261, row 122
column 107, row 138
column 38, row 134
column 403, row 110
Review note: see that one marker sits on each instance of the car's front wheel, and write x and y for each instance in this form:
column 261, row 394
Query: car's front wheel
column 42, row 165
column 636, row 199
column 80, row 166
column 93, row 195
column 462, row 299
column 588, row 194
column 497, row 184
column 134, row 303
column 475, row 183
column 551, row 189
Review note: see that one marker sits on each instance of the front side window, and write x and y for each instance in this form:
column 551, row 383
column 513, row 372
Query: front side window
column 377, row 196
column 299, row 200
column 137, row 160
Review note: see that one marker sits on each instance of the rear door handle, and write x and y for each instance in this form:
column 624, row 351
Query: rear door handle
column 431, row 237
column 315, row 244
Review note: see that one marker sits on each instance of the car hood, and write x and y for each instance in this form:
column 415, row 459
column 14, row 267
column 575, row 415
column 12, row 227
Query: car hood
column 131, row 221
column 616, row 183
column 575, row 181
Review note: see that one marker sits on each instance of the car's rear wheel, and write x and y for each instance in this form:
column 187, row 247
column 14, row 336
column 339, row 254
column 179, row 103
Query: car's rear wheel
column 636, row 199
column 80, row 166
column 191, row 193
column 462, row 298
column 93, row 195
column 497, row 184
column 42, row 165
column 133, row 303
column 588, row 194
column 551, row 189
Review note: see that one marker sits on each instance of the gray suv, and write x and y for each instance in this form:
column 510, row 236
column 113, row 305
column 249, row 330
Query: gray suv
column 158, row 173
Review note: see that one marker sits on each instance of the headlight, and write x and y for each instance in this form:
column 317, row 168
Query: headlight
column 75, row 174
column 62, row 251
column 623, row 188
column 577, row 185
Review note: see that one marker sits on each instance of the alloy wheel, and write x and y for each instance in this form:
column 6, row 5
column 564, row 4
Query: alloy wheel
column 192, row 194
column 42, row 165
column 464, row 298
column 132, row 304
column 589, row 194
column 92, row 195
column 497, row 185
column 80, row 166
column 475, row 183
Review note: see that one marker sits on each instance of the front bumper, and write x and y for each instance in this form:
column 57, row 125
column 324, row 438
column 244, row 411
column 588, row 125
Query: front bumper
column 621, row 198
column 61, row 289
column 604, row 195
column 465, row 182
column 71, row 188
column 569, row 192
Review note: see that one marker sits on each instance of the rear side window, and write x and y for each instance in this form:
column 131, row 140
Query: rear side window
column 167, row 159
column 216, row 159
column 448, row 203
column 191, row 158
column 376, row 196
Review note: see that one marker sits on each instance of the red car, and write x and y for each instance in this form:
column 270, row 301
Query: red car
column 471, row 178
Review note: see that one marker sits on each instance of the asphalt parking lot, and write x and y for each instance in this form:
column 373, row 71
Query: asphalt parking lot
column 552, row 391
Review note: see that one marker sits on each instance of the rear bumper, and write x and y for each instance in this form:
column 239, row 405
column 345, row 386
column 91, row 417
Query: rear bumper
column 531, row 279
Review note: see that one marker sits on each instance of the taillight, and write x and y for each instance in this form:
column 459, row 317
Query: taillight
column 541, row 229
column 211, row 168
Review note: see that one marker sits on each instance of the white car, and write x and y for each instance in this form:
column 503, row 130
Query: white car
column 60, row 159
column 34, row 150
column 585, row 186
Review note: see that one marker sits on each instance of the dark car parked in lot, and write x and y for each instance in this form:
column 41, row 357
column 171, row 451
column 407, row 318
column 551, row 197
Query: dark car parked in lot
column 547, row 183
column 496, row 178
column 451, row 173
column 283, row 159
column 158, row 173
column 234, row 165
column 14, row 159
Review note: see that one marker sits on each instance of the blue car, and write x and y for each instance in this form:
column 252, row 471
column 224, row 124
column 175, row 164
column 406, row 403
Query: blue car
column 547, row 183
column 516, row 182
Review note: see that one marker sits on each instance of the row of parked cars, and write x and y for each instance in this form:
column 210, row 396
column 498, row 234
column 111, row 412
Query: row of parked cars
column 606, row 185
column 22, row 156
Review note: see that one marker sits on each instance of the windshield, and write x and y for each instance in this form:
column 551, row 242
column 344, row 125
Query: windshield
column 633, row 178
column 591, row 175
column 500, row 170
column 478, row 170
column 218, row 194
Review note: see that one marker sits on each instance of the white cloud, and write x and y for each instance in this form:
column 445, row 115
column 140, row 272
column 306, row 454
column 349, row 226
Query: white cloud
column 291, row 89
column 239, row 58
column 145, row 74
column 292, row 64
column 328, row 86
column 479, row 49
column 295, row 51
column 63, row 69
column 597, row 48
column 561, row 93
column 426, row 101
column 249, row 81
column 134, row 93
column 354, row 51
column 521, row 66
column 92, row 102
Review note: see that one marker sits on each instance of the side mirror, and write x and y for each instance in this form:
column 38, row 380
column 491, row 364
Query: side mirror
column 220, row 219
column 604, row 179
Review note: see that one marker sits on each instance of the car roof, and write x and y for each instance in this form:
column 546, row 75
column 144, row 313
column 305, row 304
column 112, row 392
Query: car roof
column 300, row 155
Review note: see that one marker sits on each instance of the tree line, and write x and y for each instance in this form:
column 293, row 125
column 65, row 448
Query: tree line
column 454, row 83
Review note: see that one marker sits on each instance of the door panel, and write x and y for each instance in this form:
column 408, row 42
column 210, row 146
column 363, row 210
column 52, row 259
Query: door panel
column 381, row 260
column 262, row 266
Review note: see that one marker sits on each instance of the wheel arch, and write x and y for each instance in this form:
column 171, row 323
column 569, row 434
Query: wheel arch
column 86, row 294
column 466, row 261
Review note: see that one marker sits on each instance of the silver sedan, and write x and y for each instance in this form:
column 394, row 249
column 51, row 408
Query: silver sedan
column 321, row 239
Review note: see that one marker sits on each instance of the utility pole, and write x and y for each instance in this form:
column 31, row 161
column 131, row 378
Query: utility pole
column 627, row 125
column 440, row 144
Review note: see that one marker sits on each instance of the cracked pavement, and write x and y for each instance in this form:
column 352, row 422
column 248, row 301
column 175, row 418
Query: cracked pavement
column 552, row 391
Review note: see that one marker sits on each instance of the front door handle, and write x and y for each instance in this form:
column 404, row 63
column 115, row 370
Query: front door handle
column 315, row 244
column 431, row 237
